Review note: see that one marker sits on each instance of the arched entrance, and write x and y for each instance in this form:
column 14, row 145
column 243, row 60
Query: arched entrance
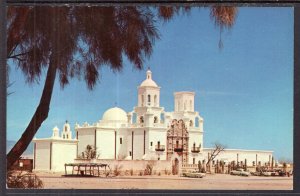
column 175, row 166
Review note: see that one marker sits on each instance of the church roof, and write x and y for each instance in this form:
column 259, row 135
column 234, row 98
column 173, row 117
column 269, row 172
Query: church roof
column 114, row 114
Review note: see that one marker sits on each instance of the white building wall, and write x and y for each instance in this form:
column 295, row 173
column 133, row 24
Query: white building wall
column 85, row 137
column 106, row 144
column 138, row 144
column 156, row 135
column 122, row 148
column 42, row 156
column 129, row 143
column 145, row 91
column 62, row 153
column 240, row 155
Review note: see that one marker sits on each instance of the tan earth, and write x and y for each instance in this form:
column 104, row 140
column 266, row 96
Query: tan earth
column 209, row 182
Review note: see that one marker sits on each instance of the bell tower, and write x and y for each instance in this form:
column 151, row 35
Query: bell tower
column 66, row 133
column 148, row 92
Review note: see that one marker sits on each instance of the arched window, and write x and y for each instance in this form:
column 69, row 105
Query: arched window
column 134, row 118
column 141, row 119
column 155, row 100
column 155, row 119
column 191, row 105
column 191, row 123
column 196, row 122
column 149, row 99
column 162, row 117
column 142, row 100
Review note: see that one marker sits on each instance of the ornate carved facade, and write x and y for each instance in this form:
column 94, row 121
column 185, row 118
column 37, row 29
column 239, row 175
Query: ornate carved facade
column 178, row 141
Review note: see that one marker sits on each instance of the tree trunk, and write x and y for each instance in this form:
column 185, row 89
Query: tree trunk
column 38, row 118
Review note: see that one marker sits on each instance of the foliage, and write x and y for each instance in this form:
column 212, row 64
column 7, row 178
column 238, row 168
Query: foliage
column 131, row 172
column 25, row 180
column 90, row 153
column 149, row 167
column 215, row 152
column 76, row 41
column 117, row 170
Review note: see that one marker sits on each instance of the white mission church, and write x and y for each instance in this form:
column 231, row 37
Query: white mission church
column 146, row 133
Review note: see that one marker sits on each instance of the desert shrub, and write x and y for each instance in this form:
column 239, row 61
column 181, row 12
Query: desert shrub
column 141, row 173
column 117, row 170
column 27, row 180
column 149, row 167
column 131, row 172
column 89, row 153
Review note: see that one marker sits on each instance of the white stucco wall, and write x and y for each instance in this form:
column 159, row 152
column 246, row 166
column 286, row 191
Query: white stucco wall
column 156, row 135
column 42, row 156
column 106, row 143
column 86, row 137
column 122, row 148
column 138, row 144
column 62, row 152
column 250, row 155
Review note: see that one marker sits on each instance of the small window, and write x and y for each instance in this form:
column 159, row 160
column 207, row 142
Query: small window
column 129, row 153
column 134, row 118
column 64, row 136
column 141, row 119
column 193, row 160
column 149, row 98
column 151, row 143
column 191, row 123
column 196, row 122
column 155, row 119
column 158, row 158
column 120, row 140
column 67, row 136
column 76, row 134
column 162, row 117
column 142, row 100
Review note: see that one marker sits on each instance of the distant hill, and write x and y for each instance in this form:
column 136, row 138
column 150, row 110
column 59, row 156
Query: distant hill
column 28, row 151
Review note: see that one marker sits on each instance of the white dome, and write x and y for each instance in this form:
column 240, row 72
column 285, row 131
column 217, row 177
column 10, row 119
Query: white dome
column 114, row 114
column 148, row 81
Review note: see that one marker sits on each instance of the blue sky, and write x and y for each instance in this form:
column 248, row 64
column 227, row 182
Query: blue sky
column 244, row 92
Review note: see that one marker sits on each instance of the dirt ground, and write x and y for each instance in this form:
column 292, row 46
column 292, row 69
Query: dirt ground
column 209, row 182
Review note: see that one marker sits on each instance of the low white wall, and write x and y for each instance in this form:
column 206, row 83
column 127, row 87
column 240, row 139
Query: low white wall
column 136, row 165
column 241, row 155
column 62, row 153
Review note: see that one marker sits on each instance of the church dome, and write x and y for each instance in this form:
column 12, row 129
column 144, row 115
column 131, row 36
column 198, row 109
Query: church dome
column 148, row 81
column 114, row 114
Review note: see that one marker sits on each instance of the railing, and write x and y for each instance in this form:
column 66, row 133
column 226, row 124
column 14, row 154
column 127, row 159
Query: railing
column 159, row 147
column 195, row 149
column 178, row 148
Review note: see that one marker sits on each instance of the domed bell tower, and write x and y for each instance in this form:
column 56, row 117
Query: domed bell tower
column 66, row 133
column 148, row 92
